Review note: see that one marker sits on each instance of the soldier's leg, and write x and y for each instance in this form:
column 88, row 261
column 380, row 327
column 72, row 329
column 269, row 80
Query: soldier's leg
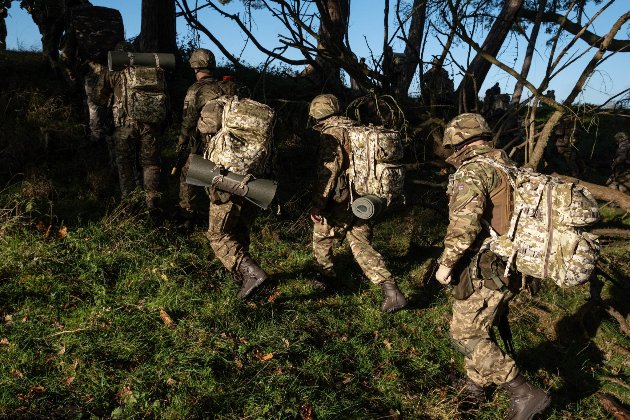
column 470, row 327
column 223, row 220
column 124, row 148
column 371, row 262
column 100, row 114
column 325, row 236
column 186, row 195
column 150, row 163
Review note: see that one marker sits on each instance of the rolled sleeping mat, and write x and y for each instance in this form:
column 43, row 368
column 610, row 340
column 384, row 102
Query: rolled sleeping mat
column 205, row 173
column 118, row 60
column 368, row 206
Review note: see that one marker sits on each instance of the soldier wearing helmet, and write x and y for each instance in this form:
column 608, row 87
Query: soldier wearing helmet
column 229, row 216
column 620, row 177
column 330, row 211
column 480, row 200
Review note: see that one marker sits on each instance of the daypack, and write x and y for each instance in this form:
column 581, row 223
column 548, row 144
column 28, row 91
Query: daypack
column 374, row 162
column 145, row 100
column 242, row 144
column 96, row 30
column 545, row 238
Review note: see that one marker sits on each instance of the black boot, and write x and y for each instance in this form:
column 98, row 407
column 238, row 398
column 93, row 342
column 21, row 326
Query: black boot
column 393, row 299
column 252, row 275
column 526, row 400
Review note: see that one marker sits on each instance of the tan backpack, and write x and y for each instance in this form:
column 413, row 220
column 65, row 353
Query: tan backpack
column 243, row 142
column 545, row 238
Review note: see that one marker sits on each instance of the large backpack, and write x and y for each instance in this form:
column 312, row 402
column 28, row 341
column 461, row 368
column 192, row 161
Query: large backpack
column 211, row 115
column 545, row 238
column 242, row 144
column 374, row 162
column 145, row 96
column 96, row 30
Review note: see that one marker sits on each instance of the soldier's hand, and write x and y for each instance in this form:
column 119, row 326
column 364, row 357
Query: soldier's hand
column 443, row 275
column 316, row 216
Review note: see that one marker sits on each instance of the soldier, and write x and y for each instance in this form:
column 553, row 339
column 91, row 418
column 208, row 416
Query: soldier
column 437, row 89
column 330, row 213
column 480, row 197
column 565, row 146
column 230, row 216
column 137, row 122
column 620, row 177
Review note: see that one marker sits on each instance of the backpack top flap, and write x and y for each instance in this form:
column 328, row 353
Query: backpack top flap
column 97, row 30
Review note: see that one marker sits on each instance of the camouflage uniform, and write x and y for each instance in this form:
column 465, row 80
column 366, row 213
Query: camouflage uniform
column 620, row 178
column 437, row 90
column 565, row 146
column 332, row 195
column 482, row 293
column 133, row 139
column 197, row 96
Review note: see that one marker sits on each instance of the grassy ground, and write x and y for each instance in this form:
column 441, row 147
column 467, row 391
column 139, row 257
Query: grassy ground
column 106, row 313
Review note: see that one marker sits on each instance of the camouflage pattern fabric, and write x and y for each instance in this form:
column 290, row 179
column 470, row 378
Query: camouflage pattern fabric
column 98, row 102
column 469, row 189
column 339, row 224
column 145, row 98
column 470, row 328
column 138, row 139
column 229, row 222
column 198, row 95
column 620, row 178
column 242, row 144
column 332, row 196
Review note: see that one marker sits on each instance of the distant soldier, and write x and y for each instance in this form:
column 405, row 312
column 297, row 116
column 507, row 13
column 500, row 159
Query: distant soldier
column 437, row 89
column 330, row 213
column 480, row 199
column 620, row 177
column 230, row 216
column 139, row 108
column 205, row 89
column 4, row 11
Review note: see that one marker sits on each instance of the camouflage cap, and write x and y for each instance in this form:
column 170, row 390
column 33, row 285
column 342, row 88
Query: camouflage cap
column 202, row 58
column 465, row 127
column 621, row 136
column 323, row 106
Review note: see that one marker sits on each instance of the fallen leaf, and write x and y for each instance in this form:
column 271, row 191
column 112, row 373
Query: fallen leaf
column 8, row 319
column 62, row 232
column 166, row 319
column 266, row 357
column 238, row 363
column 124, row 393
column 286, row 343
column 68, row 380
column 388, row 344
column 16, row 373
column 306, row 411
column 171, row 382
column 390, row 376
column 21, row 397
column 38, row 388
column 4, row 342
column 275, row 295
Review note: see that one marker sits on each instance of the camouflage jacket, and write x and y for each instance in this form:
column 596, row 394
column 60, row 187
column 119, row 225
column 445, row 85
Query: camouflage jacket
column 469, row 193
column 198, row 94
column 333, row 162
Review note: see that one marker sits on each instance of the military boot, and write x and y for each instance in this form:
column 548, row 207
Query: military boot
column 526, row 400
column 252, row 276
column 393, row 299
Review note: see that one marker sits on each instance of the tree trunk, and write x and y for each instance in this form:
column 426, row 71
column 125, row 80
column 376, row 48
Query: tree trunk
column 333, row 27
column 412, row 47
column 479, row 67
column 157, row 31
column 529, row 53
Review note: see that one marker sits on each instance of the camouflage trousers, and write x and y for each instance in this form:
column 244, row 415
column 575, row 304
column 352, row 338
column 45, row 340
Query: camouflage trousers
column 187, row 192
column 471, row 325
column 340, row 223
column 620, row 180
column 100, row 114
column 229, row 222
column 136, row 142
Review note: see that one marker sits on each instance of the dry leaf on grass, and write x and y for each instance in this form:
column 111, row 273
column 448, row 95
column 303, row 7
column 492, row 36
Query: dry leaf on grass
column 166, row 319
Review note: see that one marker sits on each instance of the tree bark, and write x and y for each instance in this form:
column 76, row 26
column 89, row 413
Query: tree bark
column 601, row 192
column 413, row 44
column 157, row 31
column 478, row 69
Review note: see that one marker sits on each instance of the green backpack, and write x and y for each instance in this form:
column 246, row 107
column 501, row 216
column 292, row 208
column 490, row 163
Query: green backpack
column 146, row 99
column 546, row 236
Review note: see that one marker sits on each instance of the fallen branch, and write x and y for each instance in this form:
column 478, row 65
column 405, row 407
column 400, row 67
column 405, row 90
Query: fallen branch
column 611, row 405
column 601, row 192
column 617, row 381
column 623, row 323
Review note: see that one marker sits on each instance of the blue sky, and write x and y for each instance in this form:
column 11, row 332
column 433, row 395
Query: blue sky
column 366, row 33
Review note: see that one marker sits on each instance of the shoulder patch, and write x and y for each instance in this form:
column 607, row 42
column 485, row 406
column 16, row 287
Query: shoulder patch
column 186, row 105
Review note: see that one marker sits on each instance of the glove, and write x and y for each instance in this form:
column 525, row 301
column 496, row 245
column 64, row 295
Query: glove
column 443, row 274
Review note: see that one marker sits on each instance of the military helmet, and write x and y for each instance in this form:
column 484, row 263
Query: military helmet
column 465, row 127
column 323, row 106
column 621, row 136
column 202, row 58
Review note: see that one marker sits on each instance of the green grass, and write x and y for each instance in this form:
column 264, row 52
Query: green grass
column 84, row 280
